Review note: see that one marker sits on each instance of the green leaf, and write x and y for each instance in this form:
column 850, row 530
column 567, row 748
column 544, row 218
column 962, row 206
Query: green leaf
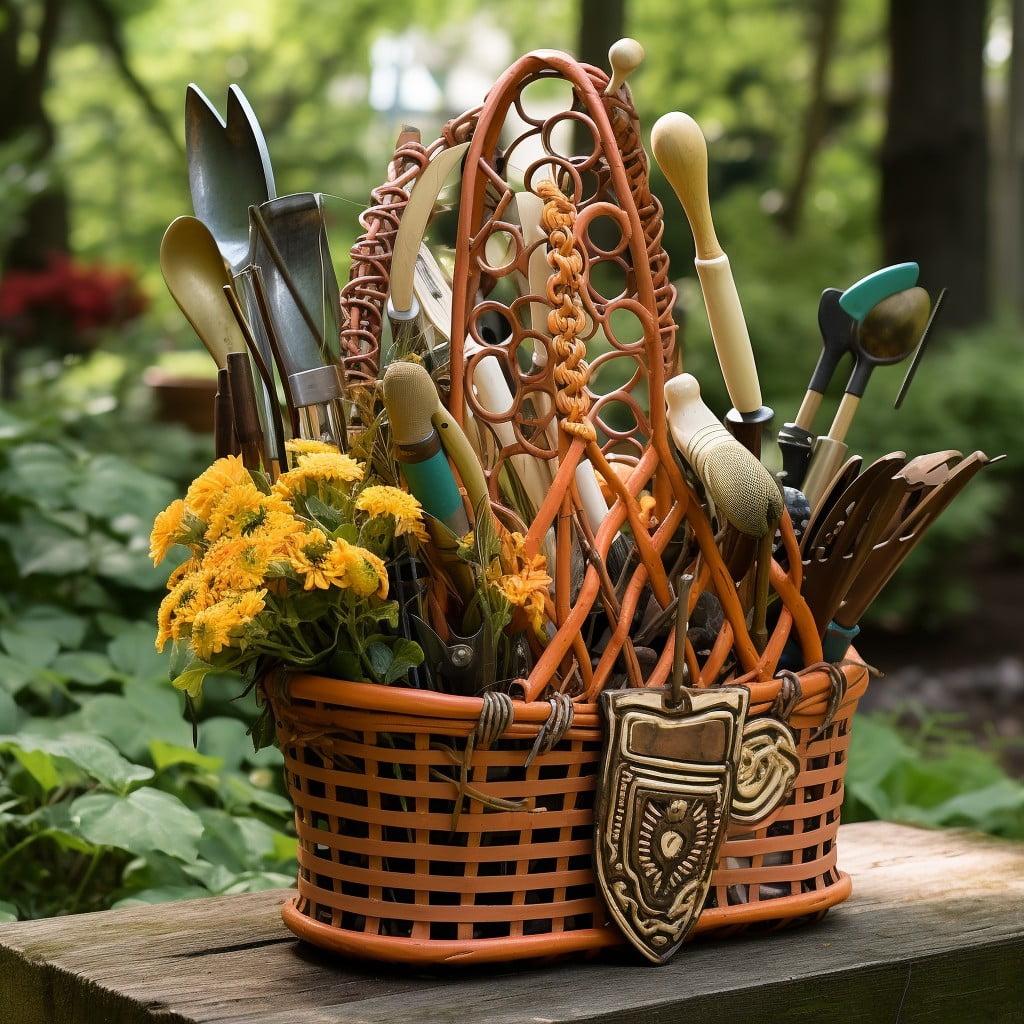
column 43, row 473
column 8, row 912
column 191, row 680
column 39, row 549
column 167, row 754
column 114, row 485
column 239, row 794
column 130, row 721
column 133, row 652
column 144, row 820
column 380, row 657
column 11, row 716
column 89, row 668
column 30, row 646
column 40, row 765
column 49, row 621
column 981, row 808
column 91, row 755
column 14, row 674
column 406, row 654
column 227, row 738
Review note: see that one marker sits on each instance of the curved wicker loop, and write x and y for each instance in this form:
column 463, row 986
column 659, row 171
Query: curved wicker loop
column 608, row 278
column 365, row 294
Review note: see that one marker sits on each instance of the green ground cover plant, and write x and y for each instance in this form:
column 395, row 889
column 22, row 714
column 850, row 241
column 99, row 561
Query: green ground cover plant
column 104, row 799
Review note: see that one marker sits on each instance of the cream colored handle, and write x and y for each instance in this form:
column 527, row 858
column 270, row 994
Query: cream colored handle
column 744, row 492
column 682, row 154
column 729, row 331
column 625, row 56
column 694, row 427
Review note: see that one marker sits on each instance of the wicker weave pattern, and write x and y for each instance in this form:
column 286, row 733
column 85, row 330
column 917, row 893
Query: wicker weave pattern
column 393, row 863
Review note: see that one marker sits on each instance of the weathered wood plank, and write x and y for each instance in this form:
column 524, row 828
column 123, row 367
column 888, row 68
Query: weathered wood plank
column 934, row 931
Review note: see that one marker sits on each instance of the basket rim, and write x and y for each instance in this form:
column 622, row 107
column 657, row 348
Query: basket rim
column 815, row 685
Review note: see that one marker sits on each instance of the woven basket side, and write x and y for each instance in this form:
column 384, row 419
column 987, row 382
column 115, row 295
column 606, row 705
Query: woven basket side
column 398, row 837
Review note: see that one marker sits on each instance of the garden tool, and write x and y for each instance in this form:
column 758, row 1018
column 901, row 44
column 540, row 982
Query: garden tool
column 886, row 557
column 845, row 541
column 198, row 279
column 424, row 436
column 289, row 246
column 228, row 169
column 224, row 440
column 919, row 351
column 796, row 440
column 410, row 330
column 246, row 417
column 625, row 56
column 887, row 333
column 195, row 274
column 846, row 489
column 744, row 492
column 681, row 152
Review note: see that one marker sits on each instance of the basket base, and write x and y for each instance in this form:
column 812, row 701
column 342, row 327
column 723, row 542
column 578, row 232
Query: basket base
column 770, row 915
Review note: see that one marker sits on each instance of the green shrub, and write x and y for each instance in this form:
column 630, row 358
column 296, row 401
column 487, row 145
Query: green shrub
column 934, row 774
column 103, row 798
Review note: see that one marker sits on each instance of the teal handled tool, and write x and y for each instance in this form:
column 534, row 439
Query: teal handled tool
column 424, row 436
column 890, row 314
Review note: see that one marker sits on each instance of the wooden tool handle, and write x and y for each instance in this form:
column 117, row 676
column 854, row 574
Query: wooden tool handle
column 682, row 154
column 625, row 56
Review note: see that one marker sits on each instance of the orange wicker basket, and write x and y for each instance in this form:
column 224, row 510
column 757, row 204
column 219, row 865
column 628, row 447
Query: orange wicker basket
column 419, row 845
column 432, row 828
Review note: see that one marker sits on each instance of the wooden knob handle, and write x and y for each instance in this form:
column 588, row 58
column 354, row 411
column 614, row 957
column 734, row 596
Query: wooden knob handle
column 625, row 56
column 682, row 154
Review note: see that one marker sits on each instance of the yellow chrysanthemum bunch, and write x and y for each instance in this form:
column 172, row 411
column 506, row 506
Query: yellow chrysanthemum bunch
column 293, row 572
column 523, row 580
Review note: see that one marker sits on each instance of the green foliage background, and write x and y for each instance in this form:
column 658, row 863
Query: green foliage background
column 103, row 798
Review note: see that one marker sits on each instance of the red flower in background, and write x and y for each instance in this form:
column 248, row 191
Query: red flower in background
column 65, row 306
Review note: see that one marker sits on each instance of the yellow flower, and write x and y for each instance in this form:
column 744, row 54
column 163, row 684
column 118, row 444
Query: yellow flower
column 186, row 568
column 317, row 468
column 380, row 500
column 243, row 509
column 168, row 529
column 209, row 486
column 308, row 554
column 367, row 573
column 211, row 630
column 238, row 563
column 523, row 580
column 179, row 608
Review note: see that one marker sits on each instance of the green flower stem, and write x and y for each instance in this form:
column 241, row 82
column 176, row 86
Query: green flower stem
column 90, row 870
column 18, row 847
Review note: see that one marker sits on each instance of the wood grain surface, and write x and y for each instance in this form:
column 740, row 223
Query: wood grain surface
column 934, row 932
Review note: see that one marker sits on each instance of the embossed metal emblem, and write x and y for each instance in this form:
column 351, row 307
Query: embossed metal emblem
column 674, row 763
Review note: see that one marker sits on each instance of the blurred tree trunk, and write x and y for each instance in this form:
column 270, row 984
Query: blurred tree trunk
column 1008, row 154
column 23, row 83
column 934, row 201
column 826, row 16
column 602, row 22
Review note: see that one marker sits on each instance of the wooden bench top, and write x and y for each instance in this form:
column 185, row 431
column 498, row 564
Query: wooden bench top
column 934, row 932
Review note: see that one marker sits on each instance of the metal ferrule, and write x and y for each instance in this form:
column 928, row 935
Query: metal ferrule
column 316, row 386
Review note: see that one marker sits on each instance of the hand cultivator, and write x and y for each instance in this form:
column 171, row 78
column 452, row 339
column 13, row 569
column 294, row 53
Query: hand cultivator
column 586, row 535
